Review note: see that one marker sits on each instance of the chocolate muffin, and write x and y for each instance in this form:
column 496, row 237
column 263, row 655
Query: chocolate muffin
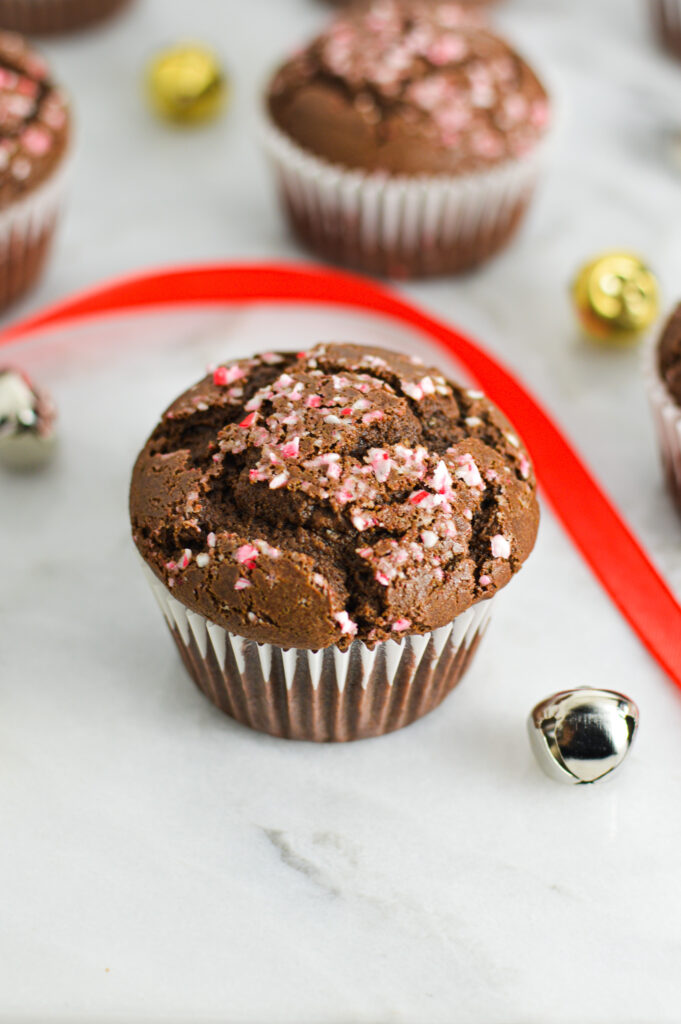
column 325, row 532
column 34, row 142
column 664, row 389
column 37, row 17
column 405, row 140
column 666, row 20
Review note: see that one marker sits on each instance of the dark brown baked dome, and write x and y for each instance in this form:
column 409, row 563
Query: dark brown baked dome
column 304, row 500
column 34, row 120
column 409, row 88
column 669, row 354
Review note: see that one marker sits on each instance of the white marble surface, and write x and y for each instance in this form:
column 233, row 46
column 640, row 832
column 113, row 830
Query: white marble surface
column 159, row 863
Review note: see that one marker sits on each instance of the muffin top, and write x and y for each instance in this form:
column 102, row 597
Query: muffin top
column 34, row 120
column 307, row 499
column 410, row 88
column 669, row 354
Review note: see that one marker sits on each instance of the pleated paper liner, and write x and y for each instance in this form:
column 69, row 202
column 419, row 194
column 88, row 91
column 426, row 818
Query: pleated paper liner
column 327, row 695
column 667, row 417
column 27, row 228
column 400, row 226
column 42, row 17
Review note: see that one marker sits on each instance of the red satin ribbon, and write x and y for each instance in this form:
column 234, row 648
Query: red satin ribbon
column 598, row 531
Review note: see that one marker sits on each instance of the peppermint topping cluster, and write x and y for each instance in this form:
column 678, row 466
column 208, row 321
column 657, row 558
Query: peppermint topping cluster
column 342, row 492
column 431, row 64
column 33, row 113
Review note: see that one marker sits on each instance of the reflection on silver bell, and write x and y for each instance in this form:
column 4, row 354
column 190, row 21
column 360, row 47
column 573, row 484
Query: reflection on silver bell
column 582, row 735
column 27, row 417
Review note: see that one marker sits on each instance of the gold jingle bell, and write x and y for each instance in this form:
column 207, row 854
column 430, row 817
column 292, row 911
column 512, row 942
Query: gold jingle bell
column 616, row 297
column 186, row 84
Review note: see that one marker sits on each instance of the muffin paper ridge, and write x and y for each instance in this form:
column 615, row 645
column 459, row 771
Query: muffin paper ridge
column 398, row 225
column 328, row 694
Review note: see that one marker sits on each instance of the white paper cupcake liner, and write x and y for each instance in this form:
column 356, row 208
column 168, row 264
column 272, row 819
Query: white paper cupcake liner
column 327, row 695
column 667, row 417
column 401, row 226
column 26, row 230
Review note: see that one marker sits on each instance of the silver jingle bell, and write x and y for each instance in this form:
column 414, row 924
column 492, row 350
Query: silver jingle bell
column 582, row 735
column 27, row 417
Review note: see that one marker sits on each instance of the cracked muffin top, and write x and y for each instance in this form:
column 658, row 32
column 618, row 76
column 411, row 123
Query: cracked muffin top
column 410, row 88
column 308, row 499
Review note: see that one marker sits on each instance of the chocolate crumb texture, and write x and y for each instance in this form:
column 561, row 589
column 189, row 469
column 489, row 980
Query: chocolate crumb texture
column 308, row 499
column 410, row 87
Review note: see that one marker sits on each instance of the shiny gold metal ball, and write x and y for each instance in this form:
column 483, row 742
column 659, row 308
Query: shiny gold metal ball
column 186, row 84
column 616, row 297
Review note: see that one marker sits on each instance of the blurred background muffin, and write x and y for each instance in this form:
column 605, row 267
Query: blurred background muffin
column 47, row 16
column 405, row 140
column 34, row 143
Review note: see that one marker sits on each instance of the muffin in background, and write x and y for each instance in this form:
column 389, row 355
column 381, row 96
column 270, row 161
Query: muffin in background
column 39, row 17
column 663, row 374
column 325, row 533
column 404, row 141
column 34, row 144
column 666, row 19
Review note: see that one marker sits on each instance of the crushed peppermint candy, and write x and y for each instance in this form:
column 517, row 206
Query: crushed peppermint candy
column 347, row 626
column 469, row 472
column 242, row 584
column 246, row 555
column 400, row 625
column 225, row 375
column 501, row 546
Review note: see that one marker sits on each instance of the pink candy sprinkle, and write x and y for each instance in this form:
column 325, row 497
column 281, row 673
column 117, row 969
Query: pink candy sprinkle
column 313, row 401
column 399, row 625
column 429, row 538
column 381, row 463
column 372, row 417
column 278, row 481
column 468, row 471
column 291, row 448
column 211, row 539
column 501, row 547
column 442, row 480
column 524, row 466
column 382, row 578
column 249, row 420
column 225, row 375
column 256, row 475
column 347, row 626
column 241, row 584
column 361, row 522
column 485, row 581
column 414, row 391
column 246, row 555
column 186, row 559
column 36, row 140
column 417, row 497
column 365, row 552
